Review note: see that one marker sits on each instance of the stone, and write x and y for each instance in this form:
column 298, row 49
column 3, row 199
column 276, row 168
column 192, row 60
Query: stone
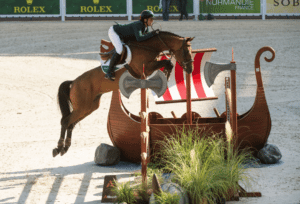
column 269, row 154
column 155, row 184
column 172, row 188
column 107, row 155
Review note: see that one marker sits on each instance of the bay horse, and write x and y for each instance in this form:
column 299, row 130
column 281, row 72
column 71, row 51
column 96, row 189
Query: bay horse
column 80, row 97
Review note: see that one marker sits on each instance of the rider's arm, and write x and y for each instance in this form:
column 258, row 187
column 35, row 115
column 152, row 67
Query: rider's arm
column 139, row 35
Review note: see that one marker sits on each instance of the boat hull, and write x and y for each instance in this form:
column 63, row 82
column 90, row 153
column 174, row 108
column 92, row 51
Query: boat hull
column 253, row 127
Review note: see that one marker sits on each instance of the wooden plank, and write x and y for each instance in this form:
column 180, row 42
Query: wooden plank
column 250, row 194
column 217, row 112
column 195, row 51
column 107, row 195
column 184, row 100
column 188, row 99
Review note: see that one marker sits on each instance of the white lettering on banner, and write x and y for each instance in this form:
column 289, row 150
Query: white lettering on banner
column 239, row 4
column 226, row 2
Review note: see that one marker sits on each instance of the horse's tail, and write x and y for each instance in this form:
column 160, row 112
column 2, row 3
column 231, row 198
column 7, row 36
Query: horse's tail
column 64, row 98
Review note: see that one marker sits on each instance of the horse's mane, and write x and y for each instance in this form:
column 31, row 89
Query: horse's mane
column 164, row 33
column 169, row 33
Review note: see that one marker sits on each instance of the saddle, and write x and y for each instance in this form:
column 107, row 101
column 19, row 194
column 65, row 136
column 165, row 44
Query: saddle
column 107, row 53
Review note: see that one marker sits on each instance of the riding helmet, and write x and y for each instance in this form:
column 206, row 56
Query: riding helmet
column 146, row 14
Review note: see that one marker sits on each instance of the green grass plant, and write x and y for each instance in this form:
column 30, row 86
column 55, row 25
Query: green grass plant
column 131, row 191
column 204, row 165
column 166, row 198
column 124, row 192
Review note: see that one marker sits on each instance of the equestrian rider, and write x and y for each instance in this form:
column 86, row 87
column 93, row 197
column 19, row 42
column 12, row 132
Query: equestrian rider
column 137, row 30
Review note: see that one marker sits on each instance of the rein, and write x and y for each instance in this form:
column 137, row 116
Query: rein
column 172, row 54
column 182, row 64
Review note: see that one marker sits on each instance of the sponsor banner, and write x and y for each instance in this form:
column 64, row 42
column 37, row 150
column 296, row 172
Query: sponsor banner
column 153, row 5
column 229, row 6
column 283, row 6
column 28, row 7
column 96, row 7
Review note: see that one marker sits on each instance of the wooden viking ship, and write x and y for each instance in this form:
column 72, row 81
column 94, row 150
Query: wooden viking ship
column 252, row 127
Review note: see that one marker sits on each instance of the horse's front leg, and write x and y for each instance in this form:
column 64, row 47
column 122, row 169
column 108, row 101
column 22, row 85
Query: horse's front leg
column 167, row 64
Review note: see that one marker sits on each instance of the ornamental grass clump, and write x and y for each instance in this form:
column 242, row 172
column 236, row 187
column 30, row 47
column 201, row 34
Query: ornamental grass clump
column 124, row 192
column 133, row 192
column 206, row 166
column 166, row 198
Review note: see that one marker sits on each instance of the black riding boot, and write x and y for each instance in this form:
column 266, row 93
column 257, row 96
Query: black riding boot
column 113, row 62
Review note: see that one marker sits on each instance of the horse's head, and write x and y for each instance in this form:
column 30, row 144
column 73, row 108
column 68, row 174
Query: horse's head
column 184, row 55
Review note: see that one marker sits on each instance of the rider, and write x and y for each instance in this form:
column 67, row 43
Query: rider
column 137, row 30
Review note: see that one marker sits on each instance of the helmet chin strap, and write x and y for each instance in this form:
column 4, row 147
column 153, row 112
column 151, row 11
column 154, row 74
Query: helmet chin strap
column 147, row 21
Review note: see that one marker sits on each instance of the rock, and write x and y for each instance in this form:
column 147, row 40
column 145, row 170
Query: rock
column 269, row 154
column 172, row 188
column 155, row 184
column 107, row 155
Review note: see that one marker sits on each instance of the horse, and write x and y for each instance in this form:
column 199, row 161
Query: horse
column 80, row 97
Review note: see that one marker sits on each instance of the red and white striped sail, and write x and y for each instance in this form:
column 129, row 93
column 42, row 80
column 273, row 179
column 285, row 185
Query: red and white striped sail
column 176, row 90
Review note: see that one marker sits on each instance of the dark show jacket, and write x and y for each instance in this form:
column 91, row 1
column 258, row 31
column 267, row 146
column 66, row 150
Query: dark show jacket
column 134, row 31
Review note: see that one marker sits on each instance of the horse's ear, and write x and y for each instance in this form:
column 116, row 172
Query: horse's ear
column 189, row 39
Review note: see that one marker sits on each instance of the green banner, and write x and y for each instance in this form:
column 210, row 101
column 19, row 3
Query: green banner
column 96, row 7
column 153, row 5
column 230, row 6
column 26, row 7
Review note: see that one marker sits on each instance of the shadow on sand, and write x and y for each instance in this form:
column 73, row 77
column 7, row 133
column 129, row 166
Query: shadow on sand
column 87, row 169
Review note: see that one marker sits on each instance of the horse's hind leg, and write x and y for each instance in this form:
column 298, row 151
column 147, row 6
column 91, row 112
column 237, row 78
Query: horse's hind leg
column 68, row 140
column 74, row 118
column 61, row 142
column 63, row 100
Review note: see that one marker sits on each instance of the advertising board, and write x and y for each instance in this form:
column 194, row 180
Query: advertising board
column 96, row 7
column 27, row 7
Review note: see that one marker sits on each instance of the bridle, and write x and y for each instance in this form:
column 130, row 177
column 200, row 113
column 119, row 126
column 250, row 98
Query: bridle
column 182, row 64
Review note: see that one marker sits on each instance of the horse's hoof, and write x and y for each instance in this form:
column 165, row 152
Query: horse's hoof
column 55, row 152
column 62, row 152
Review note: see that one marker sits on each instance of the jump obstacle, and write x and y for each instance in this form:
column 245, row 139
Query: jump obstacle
column 250, row 129
column 253, row 126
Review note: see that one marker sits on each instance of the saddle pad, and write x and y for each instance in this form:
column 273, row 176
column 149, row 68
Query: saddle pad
column 105, row 65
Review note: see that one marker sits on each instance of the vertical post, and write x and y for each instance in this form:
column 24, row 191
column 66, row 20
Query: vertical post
column 233, row 98
column 188, row 99
column 129, row 9
column 144, row 134
column 228, row 103
column 62, row 10
column 196, row 9
column 263, row 9
column 228, row 113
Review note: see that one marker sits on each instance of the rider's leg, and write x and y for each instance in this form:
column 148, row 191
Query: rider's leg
column 113, row 62
column 116, row 41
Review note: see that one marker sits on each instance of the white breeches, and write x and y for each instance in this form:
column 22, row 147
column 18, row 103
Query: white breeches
column 115, row 39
